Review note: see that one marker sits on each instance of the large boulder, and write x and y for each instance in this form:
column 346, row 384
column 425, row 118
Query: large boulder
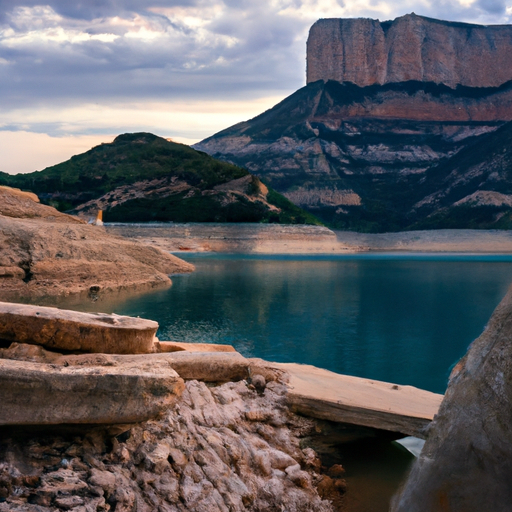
column 50, row 394
column 64, row 330
column 466, row 463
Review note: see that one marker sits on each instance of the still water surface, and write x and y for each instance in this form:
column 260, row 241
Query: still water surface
column 399, row 318
column 395, row 317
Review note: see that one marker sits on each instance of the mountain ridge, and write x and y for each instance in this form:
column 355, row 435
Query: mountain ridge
column 356, row 155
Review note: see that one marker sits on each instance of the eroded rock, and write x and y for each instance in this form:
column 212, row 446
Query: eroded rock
column 202, row 455
column 466, row 463
column 45, row 253
column 49, row 394
column 64, row 330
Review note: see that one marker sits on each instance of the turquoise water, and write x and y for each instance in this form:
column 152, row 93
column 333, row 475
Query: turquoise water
column 400, row 318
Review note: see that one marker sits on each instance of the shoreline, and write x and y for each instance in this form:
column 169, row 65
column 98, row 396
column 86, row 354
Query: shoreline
column 305, row 239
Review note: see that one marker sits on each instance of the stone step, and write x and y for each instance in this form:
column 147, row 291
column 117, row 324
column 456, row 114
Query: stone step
column 341, row 398
column 51, row 394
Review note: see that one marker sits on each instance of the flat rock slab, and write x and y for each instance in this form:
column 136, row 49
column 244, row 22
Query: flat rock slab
column 50, row 394
column 202, row 366
column 59, row 329
column 179, row 346
column 326, row 395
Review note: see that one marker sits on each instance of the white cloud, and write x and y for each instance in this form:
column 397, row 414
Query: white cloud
column 179, row 68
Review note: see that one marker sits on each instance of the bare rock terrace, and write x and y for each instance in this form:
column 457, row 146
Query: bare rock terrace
column 169, row 426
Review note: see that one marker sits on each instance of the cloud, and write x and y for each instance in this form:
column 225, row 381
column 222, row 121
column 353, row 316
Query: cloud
column 492, row 6
column 105, row 56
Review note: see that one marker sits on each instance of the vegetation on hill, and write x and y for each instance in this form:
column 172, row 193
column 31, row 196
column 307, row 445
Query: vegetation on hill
column 142, row 177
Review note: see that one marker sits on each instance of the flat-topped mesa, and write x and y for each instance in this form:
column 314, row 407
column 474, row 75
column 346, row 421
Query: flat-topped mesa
column 367, row 52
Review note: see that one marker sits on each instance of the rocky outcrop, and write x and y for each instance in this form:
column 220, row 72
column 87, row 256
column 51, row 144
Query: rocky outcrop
column 51, row 394
column 20, row 204
column 466, row 462
column 220, row 448
column 46, row 253
column 58, row 329
column 174, row 430
column 366, row 52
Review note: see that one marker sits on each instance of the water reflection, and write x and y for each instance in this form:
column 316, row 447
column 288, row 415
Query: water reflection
column 400, row 319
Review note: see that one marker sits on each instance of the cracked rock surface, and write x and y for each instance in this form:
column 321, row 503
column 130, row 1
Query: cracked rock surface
column 230, row 447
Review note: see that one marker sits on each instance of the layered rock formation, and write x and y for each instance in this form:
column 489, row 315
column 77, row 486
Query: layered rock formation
column 466, row 463
column 97, row 432
column 225, row 447
column 46, row 253
column 366, row 52
column 374, row 133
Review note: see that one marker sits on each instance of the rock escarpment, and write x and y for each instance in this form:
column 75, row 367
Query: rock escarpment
column 466, row 463
column 45, row 253
column 366, row 52
column 378, row 129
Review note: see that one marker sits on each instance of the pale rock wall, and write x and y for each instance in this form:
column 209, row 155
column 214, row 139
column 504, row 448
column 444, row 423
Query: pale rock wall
column 367, row 52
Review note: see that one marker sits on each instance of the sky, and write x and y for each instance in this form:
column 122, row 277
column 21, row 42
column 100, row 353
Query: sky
column 76, row 73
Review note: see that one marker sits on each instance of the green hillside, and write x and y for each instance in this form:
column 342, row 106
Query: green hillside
column 142, row 177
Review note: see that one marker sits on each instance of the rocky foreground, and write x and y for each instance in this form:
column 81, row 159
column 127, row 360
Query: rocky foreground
column 45, row 253
column 97, row 415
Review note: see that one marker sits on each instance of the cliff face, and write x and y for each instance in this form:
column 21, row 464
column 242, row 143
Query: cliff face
column 466, row 462
column 367, row 52
column 372, row 142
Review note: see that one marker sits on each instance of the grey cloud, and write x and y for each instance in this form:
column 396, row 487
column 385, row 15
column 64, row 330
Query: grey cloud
column 492, row 6
column 267, row 58
column 91, row 9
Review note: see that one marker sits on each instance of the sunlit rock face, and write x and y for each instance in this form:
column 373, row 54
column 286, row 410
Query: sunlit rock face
column 395, row 123
column 367, row 52
column 466, row 463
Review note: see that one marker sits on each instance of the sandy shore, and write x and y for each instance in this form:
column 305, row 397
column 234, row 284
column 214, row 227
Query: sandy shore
column 288, row 239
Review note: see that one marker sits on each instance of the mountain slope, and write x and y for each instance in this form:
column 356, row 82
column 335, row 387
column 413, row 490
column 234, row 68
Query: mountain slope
column 362, row 157
column 141, row 177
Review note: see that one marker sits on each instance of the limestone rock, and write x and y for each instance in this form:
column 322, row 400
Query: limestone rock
column 177, row 346
column 202, row 455
column 341, row 398
column 367, row 52
column 47, row 254
column 25, row 205
column 64, row 330
column 49, row 394
column 466, row 463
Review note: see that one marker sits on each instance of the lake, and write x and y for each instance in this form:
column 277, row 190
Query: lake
column 402, row 318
